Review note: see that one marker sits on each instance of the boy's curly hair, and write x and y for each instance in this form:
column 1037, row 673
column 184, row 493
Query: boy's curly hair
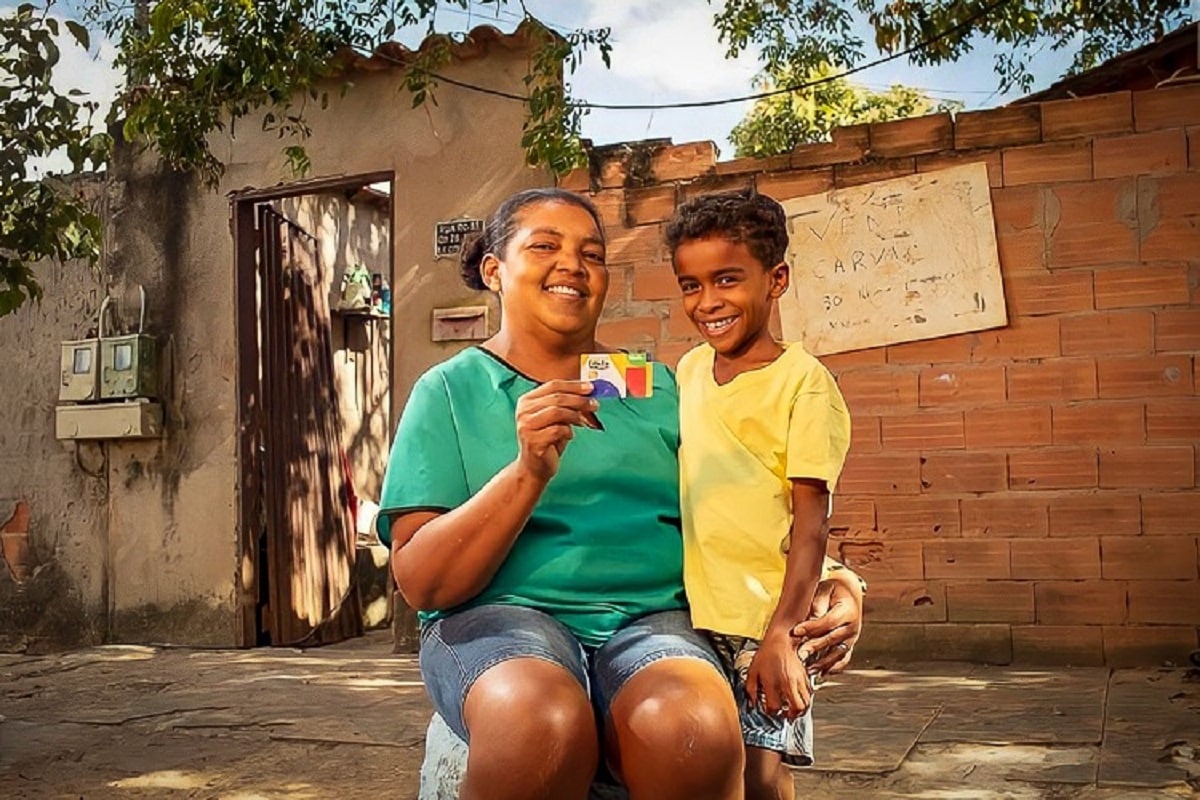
column 741, row 216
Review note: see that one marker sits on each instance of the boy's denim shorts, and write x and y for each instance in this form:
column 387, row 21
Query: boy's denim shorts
column 792, row 739
column 457, row 649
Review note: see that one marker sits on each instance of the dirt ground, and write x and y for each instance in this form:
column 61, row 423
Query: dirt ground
column 348, row 721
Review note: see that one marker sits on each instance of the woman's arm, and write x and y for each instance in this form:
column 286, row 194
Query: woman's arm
column 442, row 559
column 835, row 624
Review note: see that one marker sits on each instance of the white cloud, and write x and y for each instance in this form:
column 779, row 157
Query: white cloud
column 671, row 49
column 88, row 71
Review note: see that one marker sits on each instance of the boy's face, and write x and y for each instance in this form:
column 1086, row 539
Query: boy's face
column 727, row 292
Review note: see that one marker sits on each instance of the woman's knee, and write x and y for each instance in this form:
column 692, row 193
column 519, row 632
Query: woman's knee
column 681, row 709
column 527, row 702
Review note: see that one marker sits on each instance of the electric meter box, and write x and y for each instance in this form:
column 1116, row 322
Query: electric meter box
column 128, row 367
column 80, row 371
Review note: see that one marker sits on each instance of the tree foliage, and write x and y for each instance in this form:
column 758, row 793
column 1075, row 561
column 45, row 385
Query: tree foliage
column 40, row 218
column 194, row 66
column 798, row 36
column 779, row 122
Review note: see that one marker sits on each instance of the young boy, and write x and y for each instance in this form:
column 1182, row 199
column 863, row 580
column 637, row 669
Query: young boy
column 763, row 435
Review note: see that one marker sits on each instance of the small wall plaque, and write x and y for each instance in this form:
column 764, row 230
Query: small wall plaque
column 463, row 323
column 448, row 236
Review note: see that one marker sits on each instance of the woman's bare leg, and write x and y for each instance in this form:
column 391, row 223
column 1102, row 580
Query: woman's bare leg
column 533, row 734
column 672, row 733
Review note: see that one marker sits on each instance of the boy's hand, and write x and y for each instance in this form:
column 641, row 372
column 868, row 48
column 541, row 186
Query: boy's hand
column 833, row 629
column 778, row 681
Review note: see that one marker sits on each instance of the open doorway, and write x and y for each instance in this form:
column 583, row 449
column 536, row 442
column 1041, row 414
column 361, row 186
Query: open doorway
column 313, row 268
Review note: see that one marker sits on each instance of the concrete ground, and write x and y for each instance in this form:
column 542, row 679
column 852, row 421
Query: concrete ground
column 348, row 721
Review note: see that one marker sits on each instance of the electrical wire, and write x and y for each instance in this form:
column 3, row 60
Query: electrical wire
column 583, row 104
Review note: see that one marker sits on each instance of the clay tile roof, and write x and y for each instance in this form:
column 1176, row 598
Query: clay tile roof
column 476, row 44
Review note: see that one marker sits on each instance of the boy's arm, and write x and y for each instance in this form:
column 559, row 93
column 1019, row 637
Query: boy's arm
column 777, row 673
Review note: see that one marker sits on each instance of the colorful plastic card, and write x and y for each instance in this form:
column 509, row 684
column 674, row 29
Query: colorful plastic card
column 618, row 374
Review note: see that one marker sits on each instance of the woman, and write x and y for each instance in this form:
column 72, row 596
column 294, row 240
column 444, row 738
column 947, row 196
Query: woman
column 538, row 531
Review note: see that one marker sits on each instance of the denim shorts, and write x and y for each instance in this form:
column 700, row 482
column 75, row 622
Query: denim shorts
column 792, row 739
column 457, row 649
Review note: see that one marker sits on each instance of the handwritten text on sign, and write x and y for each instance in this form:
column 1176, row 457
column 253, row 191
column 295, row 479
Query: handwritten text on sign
column 893, row 261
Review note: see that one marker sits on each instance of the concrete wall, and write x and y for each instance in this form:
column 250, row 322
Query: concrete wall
column 137, row 541
column 1024, row 494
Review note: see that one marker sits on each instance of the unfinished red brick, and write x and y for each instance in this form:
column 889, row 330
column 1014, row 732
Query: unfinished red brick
column 998, row 127
column 872, row 171
column 974, row 641
column 795, row 183
column 951, row 159
column 968, row 471
column 1047, row 163
column 1177, row 330
column 906, row 601
column 1193, row 148
column 1100, row 423
column 1164, row 602
column 750, row 164
column 654, row 282
column 1056, row 559
column 1053, row 468
column 1145, row 285
column 952, row 385
column 865, row 435
column 1156, row 153
column 881, row 473
column 1022, row 251
column 1170, row 513
column 1080, row 602
column 611, row 205
column 1168, row 196
column 837, row 363
column 897, row 561
column 707, row 184
column 942, row 350
column 1107, row 332
column 634, row 333
column 1007, row 515
column 1171, row 107
column 849, row 144
column 1036, row 294
column 1087, row 116
column 909, row 137
column 927, row 430
column 1055, row 380
column 919, row 517
column 1173, row 420
column 1144, row 376
column 1024, row 339
column 14, row 542
column 638, row 246
column 1062, row 645
column 1160, row 558
column 853, row 517
column 1136, row 646
column 1161, row 467
column 577, row 180
column 1018, row 208
column 1169, row 236
column 879, row 390
column 1007, row 426
column 683, row 161
column 1095, row 514
column 1093, row 222
column 990, row 601
column 962, row 559
column 649, row 205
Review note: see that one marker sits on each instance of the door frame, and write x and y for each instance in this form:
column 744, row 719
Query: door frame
column 244, row 229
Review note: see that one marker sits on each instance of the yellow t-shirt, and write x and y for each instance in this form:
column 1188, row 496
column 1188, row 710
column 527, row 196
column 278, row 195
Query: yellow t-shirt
column 740, row 444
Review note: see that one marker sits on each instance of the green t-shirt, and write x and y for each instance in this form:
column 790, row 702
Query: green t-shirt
column 603, row 544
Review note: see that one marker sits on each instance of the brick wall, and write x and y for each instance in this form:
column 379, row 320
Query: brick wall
column 1025, row 494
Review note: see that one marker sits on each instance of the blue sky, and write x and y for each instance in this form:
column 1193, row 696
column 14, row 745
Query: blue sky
column 663, row 51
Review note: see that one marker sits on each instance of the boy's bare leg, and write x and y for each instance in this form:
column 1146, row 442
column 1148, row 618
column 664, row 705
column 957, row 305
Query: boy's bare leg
column 767, row 777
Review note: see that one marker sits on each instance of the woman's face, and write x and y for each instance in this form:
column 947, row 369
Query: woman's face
column 552, row 276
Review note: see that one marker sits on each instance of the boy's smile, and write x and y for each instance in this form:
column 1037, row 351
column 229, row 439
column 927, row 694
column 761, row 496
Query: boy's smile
column 728, row 294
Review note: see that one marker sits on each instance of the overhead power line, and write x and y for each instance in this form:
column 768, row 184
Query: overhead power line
column 584, row 104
